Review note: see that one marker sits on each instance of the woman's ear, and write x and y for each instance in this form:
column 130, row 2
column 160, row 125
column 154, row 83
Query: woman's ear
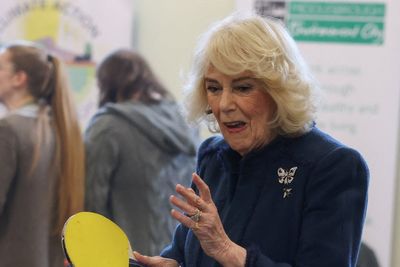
column 20, row 79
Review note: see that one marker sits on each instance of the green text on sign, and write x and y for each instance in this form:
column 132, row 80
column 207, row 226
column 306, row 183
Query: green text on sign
column 337, row 22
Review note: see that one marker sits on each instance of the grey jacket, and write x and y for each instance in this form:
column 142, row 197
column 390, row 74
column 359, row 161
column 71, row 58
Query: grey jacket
column 136, row 154
column 27, row 200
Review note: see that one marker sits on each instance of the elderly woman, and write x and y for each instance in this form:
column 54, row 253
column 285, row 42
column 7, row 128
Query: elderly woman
column 274, row 190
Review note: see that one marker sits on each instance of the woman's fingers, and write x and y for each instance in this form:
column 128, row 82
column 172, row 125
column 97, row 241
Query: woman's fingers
column 203, row 188
column 193, row 206
column 191, row 197
column 185, row 220
column 143, row 259
column 182, row 205
column 155, row 261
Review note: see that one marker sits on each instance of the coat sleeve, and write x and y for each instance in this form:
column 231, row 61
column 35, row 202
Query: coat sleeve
column 8, row 161
column 102, row 152
column 176, row 249
column 333, row 214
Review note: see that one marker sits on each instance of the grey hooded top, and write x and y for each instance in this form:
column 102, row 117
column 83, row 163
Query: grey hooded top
column 136, row 154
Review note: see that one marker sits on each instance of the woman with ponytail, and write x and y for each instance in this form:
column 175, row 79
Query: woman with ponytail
column 41, row 157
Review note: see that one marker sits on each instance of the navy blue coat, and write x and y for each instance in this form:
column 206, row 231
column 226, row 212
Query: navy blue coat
column 295, row 202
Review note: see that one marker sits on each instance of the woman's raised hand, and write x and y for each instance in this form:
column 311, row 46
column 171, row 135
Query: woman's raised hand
column 201, row 215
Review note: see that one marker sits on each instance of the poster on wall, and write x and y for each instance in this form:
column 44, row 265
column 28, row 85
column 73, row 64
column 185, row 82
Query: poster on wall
column 80, row 32
column 352, row 49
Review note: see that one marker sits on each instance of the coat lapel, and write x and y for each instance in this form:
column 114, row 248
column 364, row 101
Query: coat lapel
column 242, row 207
column 253, row 178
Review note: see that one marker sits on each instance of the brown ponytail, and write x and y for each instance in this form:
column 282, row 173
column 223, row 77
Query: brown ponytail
column 70, row 148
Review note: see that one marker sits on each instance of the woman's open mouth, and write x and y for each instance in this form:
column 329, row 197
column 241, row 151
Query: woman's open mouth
column 235, row 126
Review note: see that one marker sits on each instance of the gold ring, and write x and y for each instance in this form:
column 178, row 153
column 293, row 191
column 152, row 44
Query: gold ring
column 196, row 217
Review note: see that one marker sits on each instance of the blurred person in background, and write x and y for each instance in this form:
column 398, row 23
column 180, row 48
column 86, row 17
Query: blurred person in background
column 41, row 157
column 138, row 147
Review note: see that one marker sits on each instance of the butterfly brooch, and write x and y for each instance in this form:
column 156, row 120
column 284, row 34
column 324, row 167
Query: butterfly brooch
column 285, row 177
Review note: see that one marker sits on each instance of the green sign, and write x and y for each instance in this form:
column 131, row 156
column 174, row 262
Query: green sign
column 339, row 22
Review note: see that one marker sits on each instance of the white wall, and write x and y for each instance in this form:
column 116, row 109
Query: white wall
column 166, row 33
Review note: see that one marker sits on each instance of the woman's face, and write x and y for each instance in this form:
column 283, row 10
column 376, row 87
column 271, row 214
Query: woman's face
column 242, row 109
column 6, row 75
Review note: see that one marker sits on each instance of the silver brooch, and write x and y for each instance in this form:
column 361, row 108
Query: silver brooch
column 286, row 177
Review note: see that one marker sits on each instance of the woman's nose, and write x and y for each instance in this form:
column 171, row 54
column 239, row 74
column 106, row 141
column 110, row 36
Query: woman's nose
column 227, row 102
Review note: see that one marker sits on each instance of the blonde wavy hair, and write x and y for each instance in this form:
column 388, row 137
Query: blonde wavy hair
column 263, row 47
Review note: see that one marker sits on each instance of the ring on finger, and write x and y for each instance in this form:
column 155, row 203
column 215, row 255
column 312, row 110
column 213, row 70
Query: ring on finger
column 196, row 216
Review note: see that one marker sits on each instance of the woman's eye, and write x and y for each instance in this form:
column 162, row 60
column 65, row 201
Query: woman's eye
column 243, row 88
column 212, row 88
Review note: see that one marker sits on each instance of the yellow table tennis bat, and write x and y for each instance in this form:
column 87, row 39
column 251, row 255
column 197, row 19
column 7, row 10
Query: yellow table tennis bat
column 92, row 240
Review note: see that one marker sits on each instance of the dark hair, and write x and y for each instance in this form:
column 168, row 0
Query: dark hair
column 123, row 74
